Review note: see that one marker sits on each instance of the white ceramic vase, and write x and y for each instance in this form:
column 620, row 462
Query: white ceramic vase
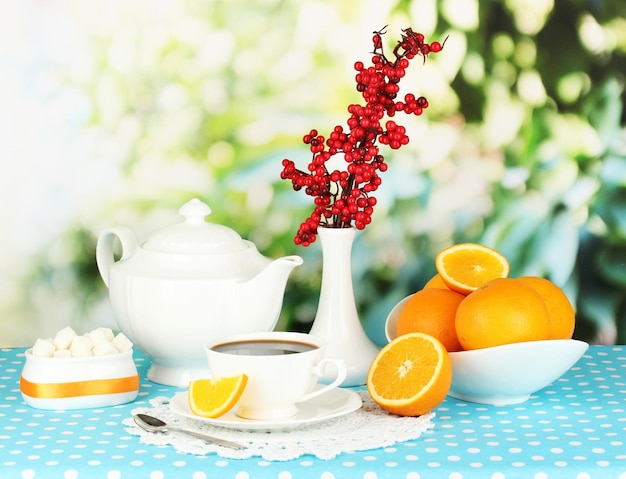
column 337, row 320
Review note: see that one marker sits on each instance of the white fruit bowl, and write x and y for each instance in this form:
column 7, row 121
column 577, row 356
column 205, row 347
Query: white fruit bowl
column 510, row 373
column 392, row 319
column 506, row 374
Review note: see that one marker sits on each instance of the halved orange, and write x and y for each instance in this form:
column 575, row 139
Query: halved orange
column 465, row 267
column 411, row 375
column 214, row 397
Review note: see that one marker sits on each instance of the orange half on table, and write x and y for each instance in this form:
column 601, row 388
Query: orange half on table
column 411, row 375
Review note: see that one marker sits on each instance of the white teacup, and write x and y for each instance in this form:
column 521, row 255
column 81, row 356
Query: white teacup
column 282, row 368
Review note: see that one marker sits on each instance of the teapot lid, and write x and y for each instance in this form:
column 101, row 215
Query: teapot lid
column 194, row 235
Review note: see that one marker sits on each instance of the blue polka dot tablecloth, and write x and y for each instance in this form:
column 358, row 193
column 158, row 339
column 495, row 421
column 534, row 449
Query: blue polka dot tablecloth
column 575, row 428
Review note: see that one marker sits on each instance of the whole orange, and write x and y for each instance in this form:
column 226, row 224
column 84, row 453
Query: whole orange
column 436, row 282
column 503, row 311
column 432, row 311
column 560, row 310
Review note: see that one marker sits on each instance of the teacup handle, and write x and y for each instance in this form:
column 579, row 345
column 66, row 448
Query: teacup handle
column 342, row 372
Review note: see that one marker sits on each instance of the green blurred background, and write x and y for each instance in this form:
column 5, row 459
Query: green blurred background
column 119, row 112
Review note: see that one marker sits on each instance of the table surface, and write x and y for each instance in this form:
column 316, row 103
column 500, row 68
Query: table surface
column 575, row 428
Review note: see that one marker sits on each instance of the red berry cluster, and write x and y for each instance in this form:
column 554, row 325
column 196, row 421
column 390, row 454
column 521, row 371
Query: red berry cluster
column 342, row 198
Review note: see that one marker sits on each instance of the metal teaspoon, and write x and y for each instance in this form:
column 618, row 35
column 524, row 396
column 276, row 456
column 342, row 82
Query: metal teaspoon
column 153, row 424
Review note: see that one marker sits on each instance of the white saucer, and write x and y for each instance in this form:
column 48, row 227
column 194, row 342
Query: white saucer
column 334, row 403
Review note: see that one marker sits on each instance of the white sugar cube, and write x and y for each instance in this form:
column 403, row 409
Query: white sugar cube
column 104, row 348
column 122, row 343
column 81, row 346
column 43, row 348
column 98, row 336
column 62, row 353
column 106, row 332
column 64, row 338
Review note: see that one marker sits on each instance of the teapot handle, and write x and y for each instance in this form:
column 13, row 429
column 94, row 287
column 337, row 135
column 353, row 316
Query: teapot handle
column 104, row 248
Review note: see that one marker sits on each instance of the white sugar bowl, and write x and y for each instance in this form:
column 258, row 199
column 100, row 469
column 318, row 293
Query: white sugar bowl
column 79, row 382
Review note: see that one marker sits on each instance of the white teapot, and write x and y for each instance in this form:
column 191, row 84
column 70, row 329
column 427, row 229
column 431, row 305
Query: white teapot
column 188, row 284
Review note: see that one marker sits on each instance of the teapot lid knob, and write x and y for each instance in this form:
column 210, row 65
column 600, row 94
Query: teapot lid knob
column 195, row 210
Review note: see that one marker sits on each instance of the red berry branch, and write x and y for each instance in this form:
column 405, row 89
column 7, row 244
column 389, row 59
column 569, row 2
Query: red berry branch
column 343, row 198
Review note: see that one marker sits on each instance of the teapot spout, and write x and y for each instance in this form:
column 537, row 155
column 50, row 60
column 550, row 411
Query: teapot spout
column 277, row 271
column 283, row 265
column 267, row 288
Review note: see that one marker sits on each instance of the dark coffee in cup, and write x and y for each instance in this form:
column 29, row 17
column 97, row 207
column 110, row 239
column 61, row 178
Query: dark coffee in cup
column 263, row 347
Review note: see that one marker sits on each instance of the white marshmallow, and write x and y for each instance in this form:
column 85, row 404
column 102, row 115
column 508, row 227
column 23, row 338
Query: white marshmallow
column 64, row 338
column 81, row 346
column 62, row 353
column 43, row 348
column 104, row 348
column 122, row 343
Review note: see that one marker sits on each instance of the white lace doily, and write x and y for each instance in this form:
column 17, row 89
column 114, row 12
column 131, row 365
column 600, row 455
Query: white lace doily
column 369, row 427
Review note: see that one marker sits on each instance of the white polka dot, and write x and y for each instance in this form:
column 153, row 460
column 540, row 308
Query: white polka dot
column 70, row 474
column 156, row 475
column 199, row 475
column 284, row 475
column 415, row 475
column 369, row 475
column 242, row 475
column 28, row 474
column 327, row 475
